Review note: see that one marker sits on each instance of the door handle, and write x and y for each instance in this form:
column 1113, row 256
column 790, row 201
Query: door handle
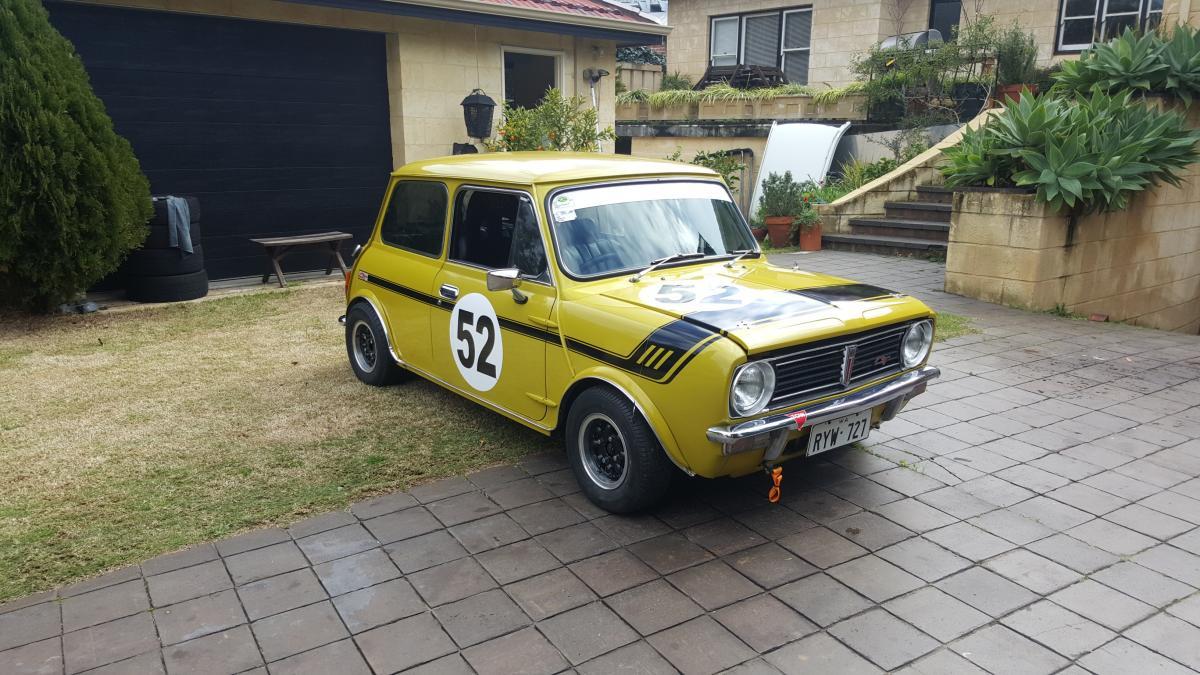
column 449, row 292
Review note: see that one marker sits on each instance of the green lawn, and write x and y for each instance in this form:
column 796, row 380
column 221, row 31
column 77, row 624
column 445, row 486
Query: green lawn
column 952, row 326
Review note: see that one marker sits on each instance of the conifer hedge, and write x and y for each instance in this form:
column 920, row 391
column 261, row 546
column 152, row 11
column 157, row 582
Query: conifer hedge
column 73, row 200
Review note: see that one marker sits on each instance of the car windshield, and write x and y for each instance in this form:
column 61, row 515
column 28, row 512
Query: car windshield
column 607, row 229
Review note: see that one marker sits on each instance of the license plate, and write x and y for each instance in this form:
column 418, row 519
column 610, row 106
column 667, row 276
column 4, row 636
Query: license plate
column 838, row 432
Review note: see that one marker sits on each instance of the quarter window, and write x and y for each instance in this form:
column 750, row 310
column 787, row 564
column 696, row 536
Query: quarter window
column 1082, row 22
column 498, row 230
column 416, row 217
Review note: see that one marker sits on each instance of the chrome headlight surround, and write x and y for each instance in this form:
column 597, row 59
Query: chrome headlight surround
column 752, row 388
column 918, row 340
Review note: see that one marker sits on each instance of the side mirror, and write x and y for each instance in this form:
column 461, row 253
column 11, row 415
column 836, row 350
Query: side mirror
column 507, row 280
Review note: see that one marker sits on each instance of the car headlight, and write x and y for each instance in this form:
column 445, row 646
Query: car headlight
column 917, row 341
column 753, row 386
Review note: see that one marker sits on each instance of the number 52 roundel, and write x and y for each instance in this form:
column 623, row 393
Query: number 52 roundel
column 475, row 342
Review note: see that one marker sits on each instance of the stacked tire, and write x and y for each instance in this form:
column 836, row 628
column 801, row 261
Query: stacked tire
column 158, row 272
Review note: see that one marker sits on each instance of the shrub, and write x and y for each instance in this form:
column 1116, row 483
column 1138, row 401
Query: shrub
column 640, row 55
column 722, row 162
column 1182, row 56
column 558, row 123
column 73, row 201
column 1016, row 56
column 1147, row 64
column 781, row 196
column 805, row 219
column 1082, row 154
column 675, row 82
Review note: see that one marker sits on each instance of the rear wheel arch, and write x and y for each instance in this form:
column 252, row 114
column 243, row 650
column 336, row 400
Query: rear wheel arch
column 373, row 306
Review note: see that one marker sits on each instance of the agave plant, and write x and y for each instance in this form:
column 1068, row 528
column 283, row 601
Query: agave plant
column 1182, row 57
column 1127, row 62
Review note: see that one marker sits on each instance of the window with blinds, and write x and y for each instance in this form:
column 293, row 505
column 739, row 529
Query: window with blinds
column 797, row 37
column 779, row 38
column 1082, row 22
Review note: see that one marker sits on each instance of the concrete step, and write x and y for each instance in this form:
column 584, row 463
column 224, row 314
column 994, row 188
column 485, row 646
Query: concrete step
column 901, row 227
column 916, row 210
column 867, row 243
column 935, row 193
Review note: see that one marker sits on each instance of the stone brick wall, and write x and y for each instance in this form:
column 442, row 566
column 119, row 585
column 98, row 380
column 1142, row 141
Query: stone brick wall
column 432, row 65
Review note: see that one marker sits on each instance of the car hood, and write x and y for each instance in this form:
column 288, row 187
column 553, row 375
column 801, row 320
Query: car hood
column 763, row 306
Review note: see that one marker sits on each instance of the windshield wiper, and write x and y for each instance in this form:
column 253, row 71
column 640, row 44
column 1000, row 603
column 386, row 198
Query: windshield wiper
column 739, row 255
column 655, row 264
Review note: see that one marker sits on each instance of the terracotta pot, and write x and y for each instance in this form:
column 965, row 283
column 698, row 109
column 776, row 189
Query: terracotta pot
column 1013, row 91
column 779, row 227
column 758, row 232
column 810, row 238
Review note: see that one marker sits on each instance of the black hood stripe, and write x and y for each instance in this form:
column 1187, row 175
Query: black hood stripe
column 844, row 292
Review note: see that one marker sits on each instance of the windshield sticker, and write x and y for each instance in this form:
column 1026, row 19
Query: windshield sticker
column 563, row 208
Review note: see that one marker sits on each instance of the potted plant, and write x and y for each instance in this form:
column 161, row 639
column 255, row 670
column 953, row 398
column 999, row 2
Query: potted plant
column 806, row 228
column 781, row 200
column 758, row 228
column 1016, row 64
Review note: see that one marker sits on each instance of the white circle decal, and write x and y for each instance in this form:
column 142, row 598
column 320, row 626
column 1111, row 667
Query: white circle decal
column 475, row 343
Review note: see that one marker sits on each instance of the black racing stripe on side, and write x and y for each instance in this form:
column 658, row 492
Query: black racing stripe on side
column 659, row 357
column 515, row 326
column 403, row 290
column 529, row 331
column 844, row 292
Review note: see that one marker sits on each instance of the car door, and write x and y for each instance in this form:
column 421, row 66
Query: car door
column 492, row 344
column 405, row 264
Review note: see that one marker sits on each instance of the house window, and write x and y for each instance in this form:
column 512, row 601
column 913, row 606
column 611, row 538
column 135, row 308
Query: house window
column 1082, row 22
column 779, row 38
column 944, row 16
column 528, row 73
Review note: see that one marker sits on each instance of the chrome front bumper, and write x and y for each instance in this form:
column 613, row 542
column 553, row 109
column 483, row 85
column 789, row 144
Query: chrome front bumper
column 772, row 431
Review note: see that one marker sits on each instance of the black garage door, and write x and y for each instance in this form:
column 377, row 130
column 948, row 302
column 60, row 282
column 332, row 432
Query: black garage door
column 278, row 129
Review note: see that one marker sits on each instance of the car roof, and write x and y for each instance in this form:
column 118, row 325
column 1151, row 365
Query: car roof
column 528, row 168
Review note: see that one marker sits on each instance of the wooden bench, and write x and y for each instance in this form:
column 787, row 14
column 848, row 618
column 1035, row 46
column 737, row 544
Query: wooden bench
column 278, row 247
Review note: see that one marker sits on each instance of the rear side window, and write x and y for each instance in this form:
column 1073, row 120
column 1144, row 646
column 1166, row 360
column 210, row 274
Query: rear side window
column 416, row 217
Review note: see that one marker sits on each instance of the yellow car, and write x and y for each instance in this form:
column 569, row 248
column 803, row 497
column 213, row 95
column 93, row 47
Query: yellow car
column 625, row 304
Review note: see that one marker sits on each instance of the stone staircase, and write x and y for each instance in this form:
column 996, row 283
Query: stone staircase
column 918, row 227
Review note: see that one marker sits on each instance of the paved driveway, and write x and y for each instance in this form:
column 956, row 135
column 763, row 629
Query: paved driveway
column 1036, row 512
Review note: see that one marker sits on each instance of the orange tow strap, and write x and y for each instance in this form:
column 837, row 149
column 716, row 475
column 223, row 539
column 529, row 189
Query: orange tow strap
column 777, row 478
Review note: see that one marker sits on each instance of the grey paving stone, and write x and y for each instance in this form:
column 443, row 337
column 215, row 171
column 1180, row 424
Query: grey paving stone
column 1010, row 525
column 371, row 508
column 669, row 553
column 819, row 653
column 1168, row 635
column 884, row 639
column 517, row 561
column 404, row 644
column 104, row 580
column 1101, row 604
column 994, row 490
column 179, row 559
column 937, row 613
column 613, row 572
column 321, row 523
column 925, row 559
column 147, row 663
column 39, row 658
column 402, row 525
column 770, row 565
column 819, row 505
column 518, row 493
column 452, row 664
column 524, row 651
column 870, row 531
column 1122, row 656
column 543, row 463
column 341, row 657
column 1111, row 537
column 551, row 593
column 713, row 584
column 373, row 606
column 822, row 547
column 480, row 617
column 1073, row 553
column 864, row 493
column 764, row 623
column 821, row 599
column 337, row 543
column 497, row 475
column 28, row 601
column 1067, row 467
column 109, row 642
column 943, row 662
column 559, row 483
column 1144, row 584
column 451, row 581
column 680, row 513
column 265, row 562
column 654, row 606
column 956, row 502
column 1002, row 650
column 724, row 536
column 700, row 646
column 981, row 459
column 199, row 617
column 441, row 489
column 576, row 542
column 1175, row 504
column 1053, row 514
column 906, row 481
column 1038, row 574
column 1189, row 542
column 229, row 651
column 914, row 515
column 463, row 508
column 587, row 632
column 774, row 521
column 298, row 630
column 488, row 533
column 969, row 541
column 281, row 593
column 418, row 553
column 1087, row 498
column 875, row 578
column 545, row 516
column 986, row 591
column 251, row 540
column 188, row 583
column 106, row 604
column 1173, row 562
column 752, row 667
column 1152, row 473
column 356, row 571
column 638, row 657
column 1059, row 629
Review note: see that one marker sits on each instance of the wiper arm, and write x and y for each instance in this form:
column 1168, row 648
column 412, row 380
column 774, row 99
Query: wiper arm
column 655, row 264
column 739, row 255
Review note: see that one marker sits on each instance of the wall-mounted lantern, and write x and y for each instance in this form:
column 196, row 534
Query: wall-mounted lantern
column 477, row 113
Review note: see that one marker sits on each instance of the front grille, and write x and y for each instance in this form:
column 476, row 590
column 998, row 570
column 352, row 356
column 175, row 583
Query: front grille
column 815, row 369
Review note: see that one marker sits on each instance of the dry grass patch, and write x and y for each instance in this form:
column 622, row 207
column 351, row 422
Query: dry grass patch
column 127, row 435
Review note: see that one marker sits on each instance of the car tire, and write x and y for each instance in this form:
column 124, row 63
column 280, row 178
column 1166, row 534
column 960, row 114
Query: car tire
column 614, row 453
column 154, row 262
column 367, row 348
column 169, row 288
